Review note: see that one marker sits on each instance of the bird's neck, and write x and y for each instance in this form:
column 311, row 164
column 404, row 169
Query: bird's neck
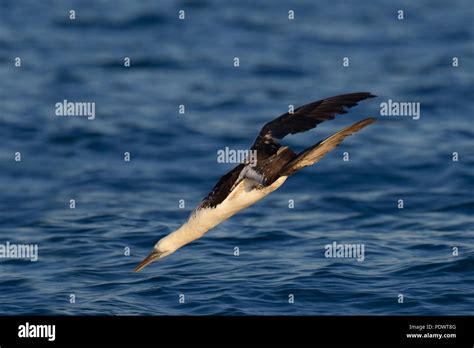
column 198, row 224
column 187, row 233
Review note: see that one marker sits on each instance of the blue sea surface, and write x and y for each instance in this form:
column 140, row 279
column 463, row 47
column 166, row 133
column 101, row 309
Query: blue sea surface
column 120, row 205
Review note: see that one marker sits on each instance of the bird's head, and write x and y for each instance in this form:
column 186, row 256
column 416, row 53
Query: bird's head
column 163, row 248
column 172, row 242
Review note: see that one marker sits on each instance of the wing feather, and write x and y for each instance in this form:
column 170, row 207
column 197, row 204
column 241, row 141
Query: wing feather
column 303, row 119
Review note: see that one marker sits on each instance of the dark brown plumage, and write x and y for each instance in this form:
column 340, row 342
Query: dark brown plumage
column 275, row 160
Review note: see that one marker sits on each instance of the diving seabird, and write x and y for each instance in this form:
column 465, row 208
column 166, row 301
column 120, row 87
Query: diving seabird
column 248, row 183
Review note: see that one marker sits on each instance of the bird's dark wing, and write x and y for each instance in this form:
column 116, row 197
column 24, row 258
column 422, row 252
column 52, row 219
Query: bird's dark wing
column 302, row 119
column 271, row 156
column 222, row 189
column 314, row 153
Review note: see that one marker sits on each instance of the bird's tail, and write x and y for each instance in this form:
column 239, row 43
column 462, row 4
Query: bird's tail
column 314, row 153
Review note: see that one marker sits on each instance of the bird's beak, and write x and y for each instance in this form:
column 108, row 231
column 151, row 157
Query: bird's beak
column 154, row 255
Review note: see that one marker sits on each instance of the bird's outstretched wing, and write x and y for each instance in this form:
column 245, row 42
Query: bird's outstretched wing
column 314, row 153
column 302, row 119
column 272, row 157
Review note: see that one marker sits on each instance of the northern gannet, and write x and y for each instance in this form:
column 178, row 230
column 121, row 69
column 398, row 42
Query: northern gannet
column 247, row 184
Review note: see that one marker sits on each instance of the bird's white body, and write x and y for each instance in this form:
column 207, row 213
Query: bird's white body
column 202, row 220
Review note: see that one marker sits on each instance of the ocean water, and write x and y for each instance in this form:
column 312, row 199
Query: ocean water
column 132, row 204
